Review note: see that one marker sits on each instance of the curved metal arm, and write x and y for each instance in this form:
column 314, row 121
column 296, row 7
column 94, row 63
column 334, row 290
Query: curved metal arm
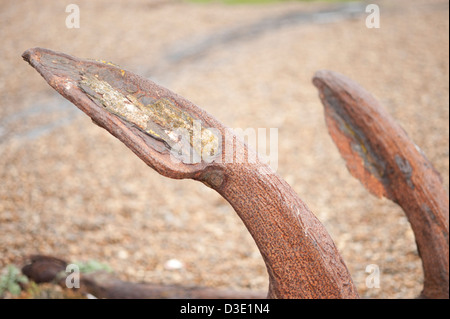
column 380, row 154
column 301, row 259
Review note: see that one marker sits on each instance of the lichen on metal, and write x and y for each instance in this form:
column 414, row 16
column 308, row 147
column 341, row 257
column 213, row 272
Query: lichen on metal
column 160, row 119
column 110, row 63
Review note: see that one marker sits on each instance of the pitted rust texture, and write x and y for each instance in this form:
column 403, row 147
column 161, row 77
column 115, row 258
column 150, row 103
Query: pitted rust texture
column 403, row 173
column 301, row 258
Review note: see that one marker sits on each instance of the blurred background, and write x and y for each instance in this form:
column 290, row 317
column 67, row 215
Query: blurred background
column 70, row 189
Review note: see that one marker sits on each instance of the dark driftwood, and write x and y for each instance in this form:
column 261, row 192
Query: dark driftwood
column 301, row 258
column 379, row 153
column 102, row 284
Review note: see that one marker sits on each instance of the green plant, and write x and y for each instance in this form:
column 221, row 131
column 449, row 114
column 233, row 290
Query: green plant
column 92, row 265
column 11, row 280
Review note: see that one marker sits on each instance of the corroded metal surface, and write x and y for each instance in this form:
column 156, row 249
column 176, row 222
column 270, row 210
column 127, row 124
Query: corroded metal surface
column 380, row 154
column 160, row 118
column 301, row 258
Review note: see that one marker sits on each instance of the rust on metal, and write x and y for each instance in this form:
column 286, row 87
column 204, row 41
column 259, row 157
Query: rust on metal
column 302, row 260
column 161, row 118
column 379, row 153
column 133, row 104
